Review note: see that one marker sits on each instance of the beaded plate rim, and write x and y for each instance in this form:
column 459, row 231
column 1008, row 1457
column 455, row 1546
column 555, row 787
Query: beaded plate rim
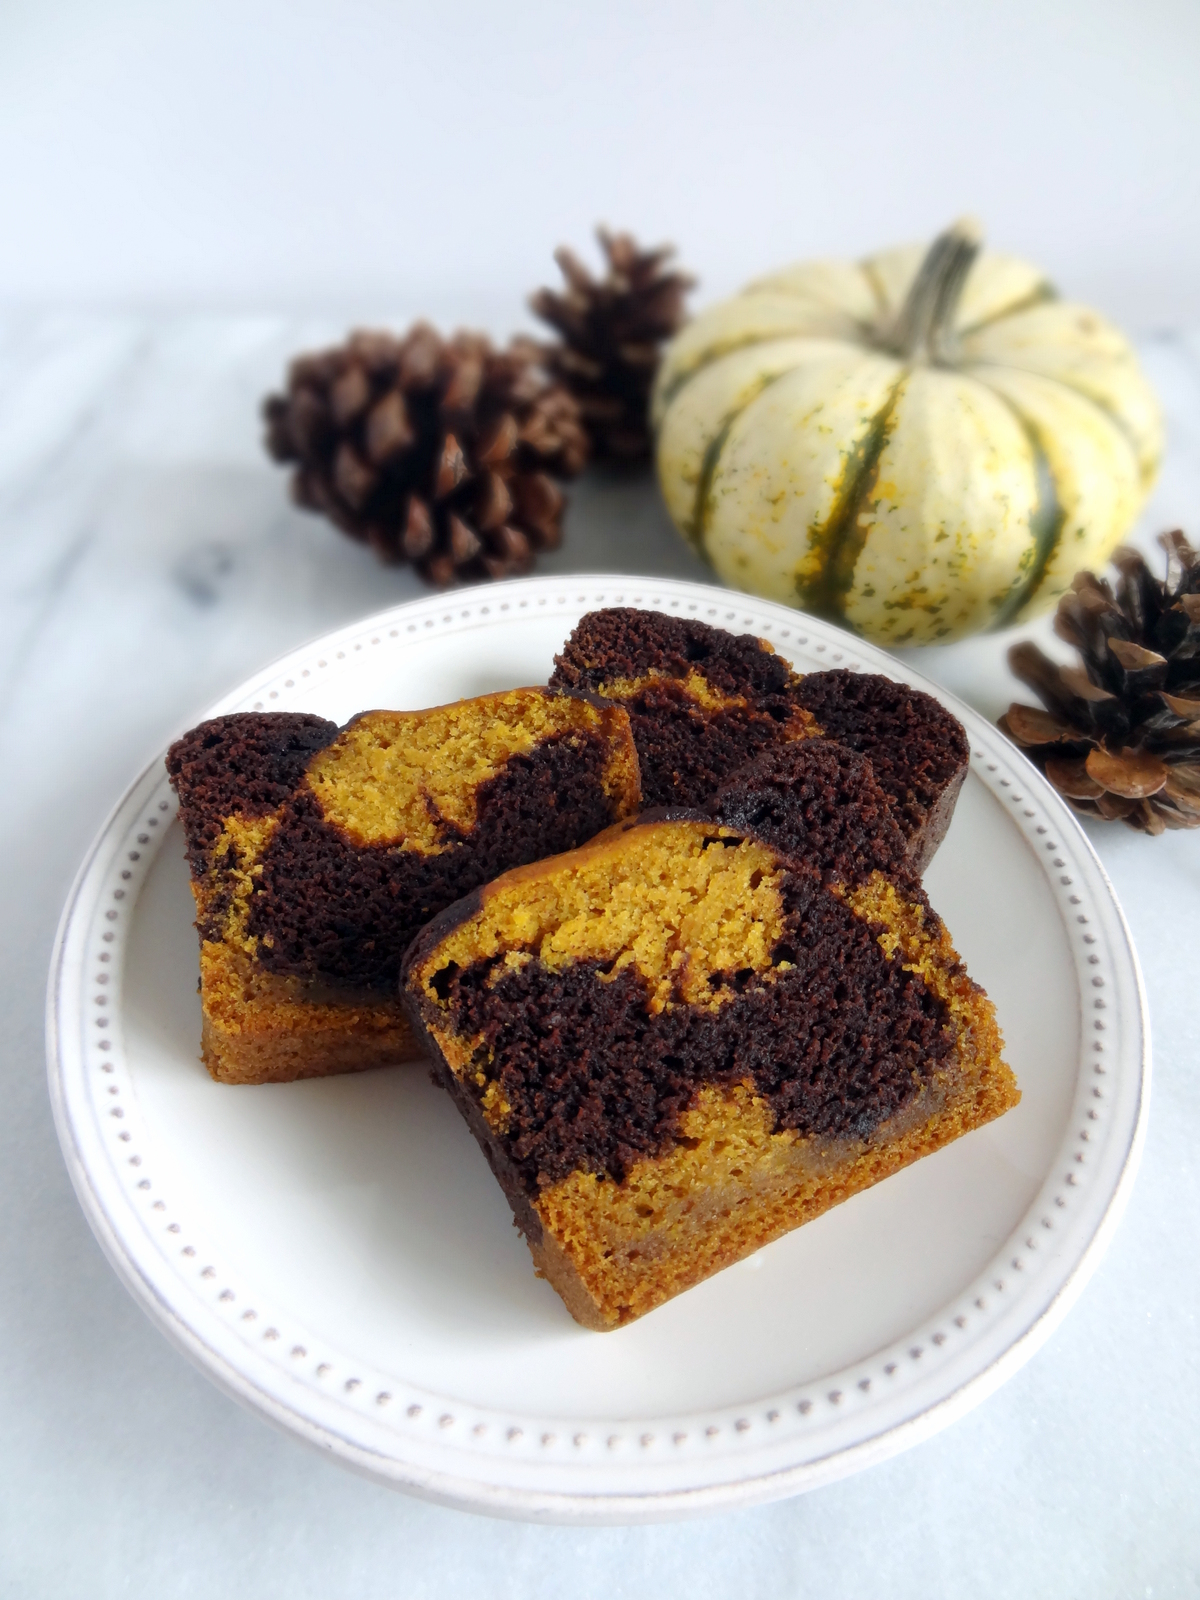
column 584, row 1470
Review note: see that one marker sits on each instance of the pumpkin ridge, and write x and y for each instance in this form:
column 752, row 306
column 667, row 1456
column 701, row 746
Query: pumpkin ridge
column 674, row 389
column 825, row 595
column 712, row 457
column 1045, row 525
column 1145, row 478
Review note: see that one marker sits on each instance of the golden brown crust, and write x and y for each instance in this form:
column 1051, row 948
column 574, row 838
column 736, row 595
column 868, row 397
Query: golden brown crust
column 259, row 1028
column 608, row 1275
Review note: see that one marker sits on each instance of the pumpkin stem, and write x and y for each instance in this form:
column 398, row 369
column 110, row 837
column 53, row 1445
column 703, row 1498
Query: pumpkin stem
column 924, row 327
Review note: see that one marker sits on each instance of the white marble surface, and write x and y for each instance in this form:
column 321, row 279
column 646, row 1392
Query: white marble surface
column 151, row 560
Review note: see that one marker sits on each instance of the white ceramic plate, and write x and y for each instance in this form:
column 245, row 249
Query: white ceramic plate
column 337, row 1255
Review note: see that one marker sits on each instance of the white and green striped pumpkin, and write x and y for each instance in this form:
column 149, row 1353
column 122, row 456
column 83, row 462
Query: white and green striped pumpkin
column 920, row 445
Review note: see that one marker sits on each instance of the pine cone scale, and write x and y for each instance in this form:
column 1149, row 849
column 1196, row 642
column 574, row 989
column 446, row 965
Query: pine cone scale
column 1132, row 774
column 349, row 396
column 1183, row 786
column 1120, row 735
column 440, row 570
column 1072, row 779
column 499, row 442
column 308, row 423
column 1029, row 726
column 577, row 365
column 1116, row 808
column 465, row 543
column 493, row 502
column 418, row 530
column 573, row 270
column 512, row 545
column 389, row 428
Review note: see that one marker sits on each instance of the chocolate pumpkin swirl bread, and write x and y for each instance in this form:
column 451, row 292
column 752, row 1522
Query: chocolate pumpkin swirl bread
column 917, row 749
column 316, row 853
column 703, row 702
column 688, row 1037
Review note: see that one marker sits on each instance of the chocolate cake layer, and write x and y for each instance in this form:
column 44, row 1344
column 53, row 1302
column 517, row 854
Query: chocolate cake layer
column 817, row 803
column 703, row 702
column 918, row 750
column 245, row 764
column 623, row 644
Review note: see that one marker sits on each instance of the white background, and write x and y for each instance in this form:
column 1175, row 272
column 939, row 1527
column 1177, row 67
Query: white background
column 270, row 154
column 312, row 163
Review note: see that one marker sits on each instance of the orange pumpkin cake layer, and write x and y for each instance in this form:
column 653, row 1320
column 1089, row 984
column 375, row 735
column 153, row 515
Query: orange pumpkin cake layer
column 316, row 854
column 686, row 1038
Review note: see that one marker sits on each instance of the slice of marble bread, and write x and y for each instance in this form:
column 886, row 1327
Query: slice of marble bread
column 702, row 702
column 698, row 1032
column 317, row 853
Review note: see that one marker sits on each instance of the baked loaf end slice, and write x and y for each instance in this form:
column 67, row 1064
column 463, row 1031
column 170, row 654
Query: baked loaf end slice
column 918, row 750
column 232, row 776
column 317, row 853
column 683, row 1040
column 703, row 702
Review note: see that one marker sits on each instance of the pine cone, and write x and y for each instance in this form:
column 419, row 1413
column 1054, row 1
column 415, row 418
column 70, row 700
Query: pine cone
column 436, row 451
column 1120, row 737
column 612, row 336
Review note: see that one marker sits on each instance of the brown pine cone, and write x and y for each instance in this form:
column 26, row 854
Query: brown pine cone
column 1120, row 735
column 612, row 334
column 437, row 451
